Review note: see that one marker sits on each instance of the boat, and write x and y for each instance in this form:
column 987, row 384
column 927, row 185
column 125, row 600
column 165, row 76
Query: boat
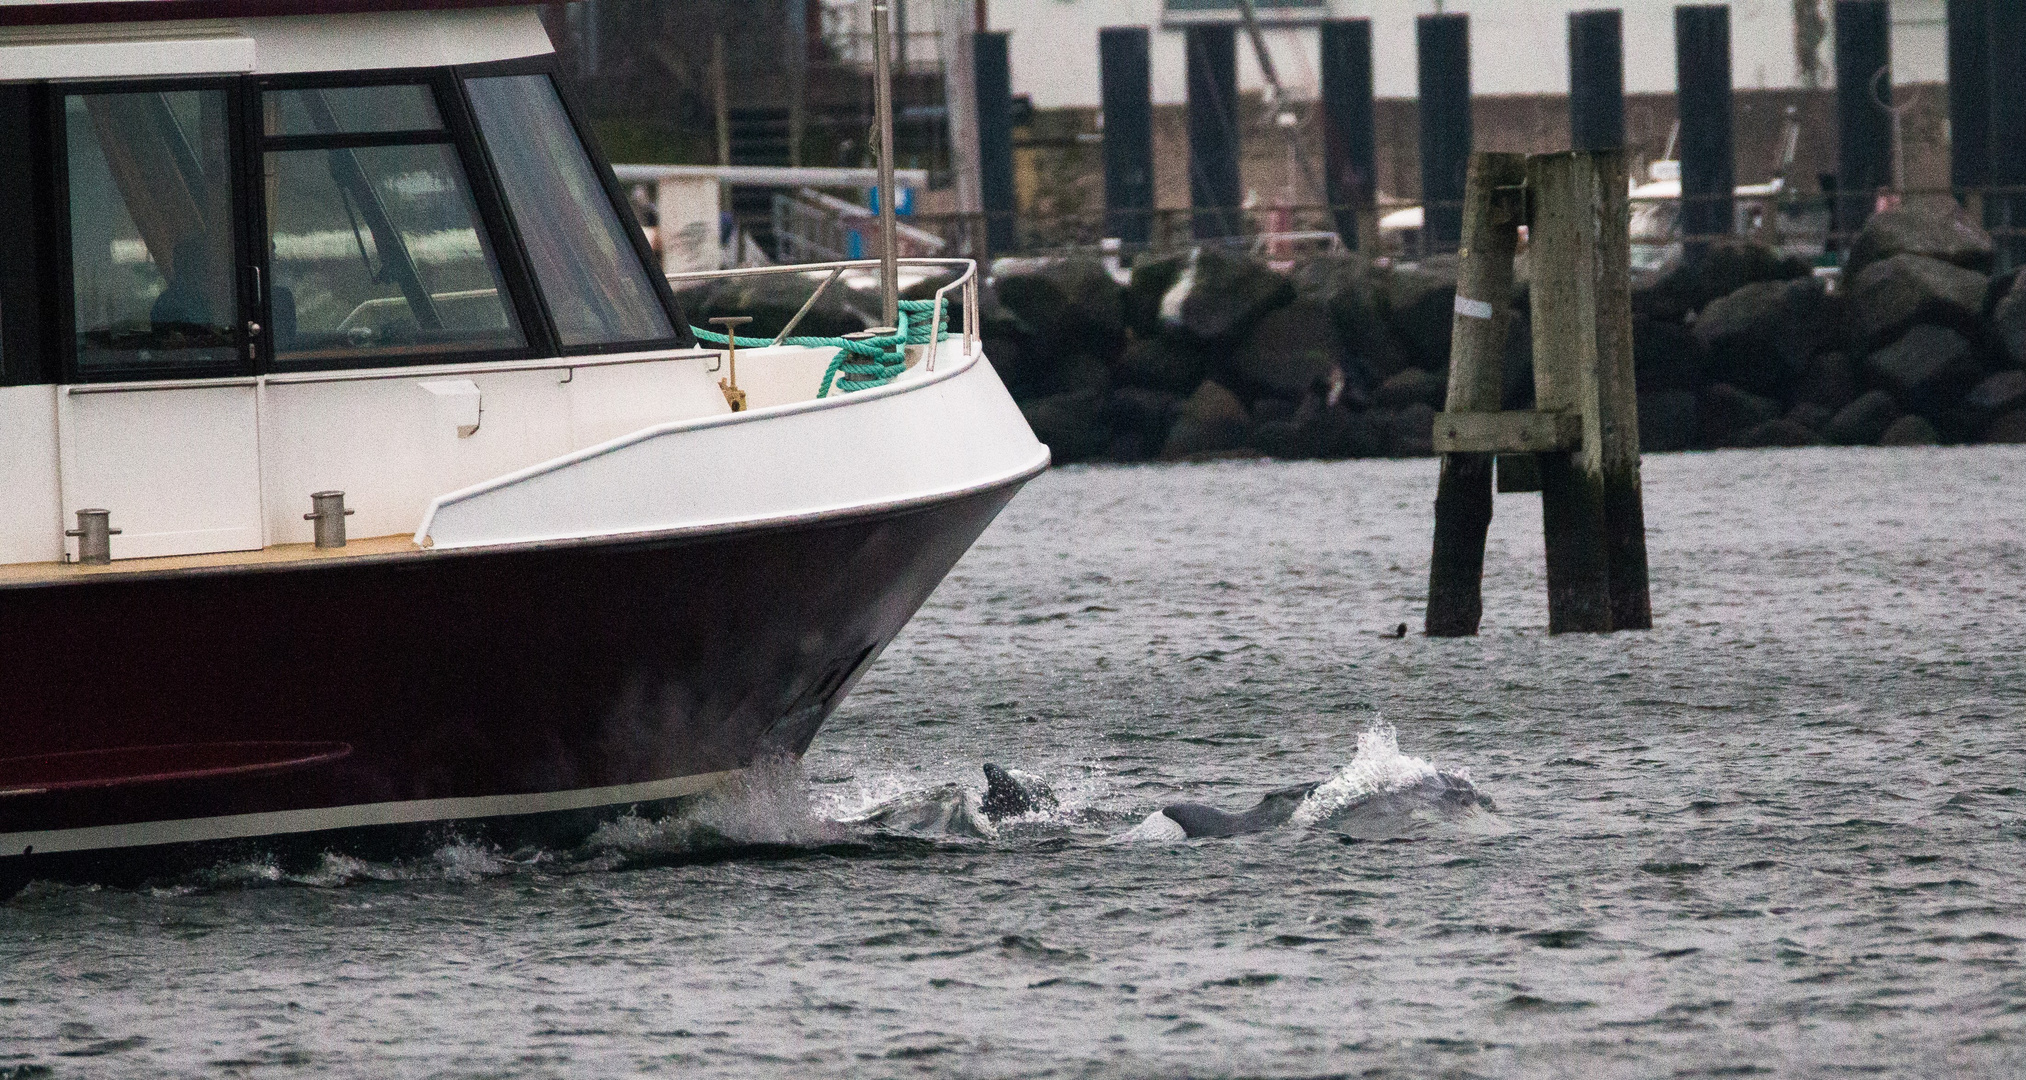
column 365, row 481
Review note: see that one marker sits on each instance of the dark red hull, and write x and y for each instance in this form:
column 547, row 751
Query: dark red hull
column 535, row 690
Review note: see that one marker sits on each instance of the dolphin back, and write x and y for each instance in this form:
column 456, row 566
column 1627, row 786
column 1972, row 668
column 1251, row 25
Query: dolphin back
column 1010, row 793
column 1272, row 810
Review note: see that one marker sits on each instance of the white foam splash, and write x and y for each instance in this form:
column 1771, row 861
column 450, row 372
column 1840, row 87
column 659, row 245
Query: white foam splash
column 1159, row 828
column 461, row 860
column 1377, row 766
column 767, row 803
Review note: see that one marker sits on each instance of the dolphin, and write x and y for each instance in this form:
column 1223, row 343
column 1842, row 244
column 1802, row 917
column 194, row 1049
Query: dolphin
column 954, row 810
column 1012, row 793
column 1374, row 814
column 1270, row 812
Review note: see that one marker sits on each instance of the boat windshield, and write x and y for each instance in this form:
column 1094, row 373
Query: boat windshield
column 590, row 274
column 152, row 244
column 376, row 246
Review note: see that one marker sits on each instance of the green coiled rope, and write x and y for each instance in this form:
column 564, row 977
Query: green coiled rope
column 870, row 362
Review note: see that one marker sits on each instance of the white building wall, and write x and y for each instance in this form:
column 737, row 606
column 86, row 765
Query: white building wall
column 1517, row 46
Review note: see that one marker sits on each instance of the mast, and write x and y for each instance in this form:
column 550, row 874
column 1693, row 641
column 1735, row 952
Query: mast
column 882, row 97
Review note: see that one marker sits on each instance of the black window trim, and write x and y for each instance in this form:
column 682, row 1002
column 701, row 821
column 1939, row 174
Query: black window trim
column 39, row 345
column 462, row 136
column 615, row 194
column 29, row 347
column 64, row 284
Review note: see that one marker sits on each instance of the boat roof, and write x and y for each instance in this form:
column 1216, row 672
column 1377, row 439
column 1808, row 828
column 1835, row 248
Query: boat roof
column 122, row 39
column 72, row 12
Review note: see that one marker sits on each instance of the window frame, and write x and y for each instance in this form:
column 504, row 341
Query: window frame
column 29, row 346
column 64, row 303
column 615, row 194
column 461, row 135
column 38, row 333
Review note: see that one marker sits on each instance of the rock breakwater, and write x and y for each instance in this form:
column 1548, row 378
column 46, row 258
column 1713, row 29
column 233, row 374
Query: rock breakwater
column 1209, row 353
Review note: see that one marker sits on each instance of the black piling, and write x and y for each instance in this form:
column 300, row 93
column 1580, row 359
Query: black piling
column 1596, row 80
column 1127, row 86
column 1350, row 155
column 1969, row 102
column 1214, row 187
column 993, row 75
column 1863, row 91
column 1702, row 51
column 2006, row 210
column 1443, row 50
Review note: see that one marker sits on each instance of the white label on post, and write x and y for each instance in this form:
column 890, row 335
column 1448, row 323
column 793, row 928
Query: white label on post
column 1474, row 309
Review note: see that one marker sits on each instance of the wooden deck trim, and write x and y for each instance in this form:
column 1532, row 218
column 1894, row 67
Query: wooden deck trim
column 278, row 554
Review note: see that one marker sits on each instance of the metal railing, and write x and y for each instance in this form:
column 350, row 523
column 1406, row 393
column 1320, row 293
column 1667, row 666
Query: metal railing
column 967, row 279
column 811, row 223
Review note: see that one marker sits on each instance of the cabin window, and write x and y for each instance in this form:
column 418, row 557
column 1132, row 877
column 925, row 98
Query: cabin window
column 376, row 248
column 589, row 272
column 153, row 255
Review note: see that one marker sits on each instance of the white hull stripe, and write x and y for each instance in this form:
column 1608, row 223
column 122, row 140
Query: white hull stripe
column 285, row 822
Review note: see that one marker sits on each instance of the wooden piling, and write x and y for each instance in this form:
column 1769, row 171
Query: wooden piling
column 1582, row 321
column 1583, row 432
column 1493, row 206
column 1618, row 396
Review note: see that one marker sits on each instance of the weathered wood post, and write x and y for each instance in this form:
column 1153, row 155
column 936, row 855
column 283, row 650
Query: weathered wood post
column 1582, row 318
column 1584, row 429
column 1494, row 203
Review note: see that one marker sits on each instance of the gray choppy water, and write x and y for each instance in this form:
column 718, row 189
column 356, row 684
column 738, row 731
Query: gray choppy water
column 1782, row 833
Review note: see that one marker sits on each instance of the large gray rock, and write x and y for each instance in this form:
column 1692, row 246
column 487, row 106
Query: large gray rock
column 1518, row 380
column 1290, row 351
column 1994, row 397
column 1926, row 369
column 1894, row 294
column 1728, row 413
column 1348, row 285
column 1668, row 420
column 1829, row 380
column 1409, row 387
column 1780, row 431
column 1212, row 420
column 1069, row 305
column 1937, row 230
column 1665, row 355
column 1219, row 295
column 2009, row 428
column 1814, row 417
column 1139, row 420
column 1077, row 372
column 2008, row 326
column 1316, row 430
column 1726, row 267
column 1152, row 277
column 1909, row 431
column 1164, row 362
column 1071, row 424
column 1761, row 337
column 1419, row 304
column 1861, row 422
column 1408, row 432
